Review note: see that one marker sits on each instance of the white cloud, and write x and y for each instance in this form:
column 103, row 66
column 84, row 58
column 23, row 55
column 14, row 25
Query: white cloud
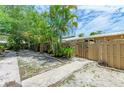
column 99, row 23
column 118, row 26
column 110, row 19
column 109, row 9
column 122, row 10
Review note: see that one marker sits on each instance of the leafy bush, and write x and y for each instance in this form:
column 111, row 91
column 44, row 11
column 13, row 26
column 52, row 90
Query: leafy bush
column 2, row 47
column 67, row 52
column 63, row 52
column 15, row 42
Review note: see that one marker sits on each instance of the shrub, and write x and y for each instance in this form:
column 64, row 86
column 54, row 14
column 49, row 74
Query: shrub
column 15, row 42
column 61, row 51
column 2, row 47
column 58, row 52
column 64, row 52
column 67, row 52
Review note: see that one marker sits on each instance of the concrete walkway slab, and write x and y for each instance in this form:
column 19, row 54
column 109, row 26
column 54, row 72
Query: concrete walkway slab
column 53, row 76
column 9, row 71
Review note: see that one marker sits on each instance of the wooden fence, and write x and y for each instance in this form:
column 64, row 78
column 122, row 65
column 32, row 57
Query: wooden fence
column 111, row 52
column 93, row 53
column 81, row 50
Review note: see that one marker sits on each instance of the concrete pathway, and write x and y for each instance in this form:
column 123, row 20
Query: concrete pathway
column 9, row 71
column 53, row 76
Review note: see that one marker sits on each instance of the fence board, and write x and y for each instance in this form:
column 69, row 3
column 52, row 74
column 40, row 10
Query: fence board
column 111, row 52
column 118, row 55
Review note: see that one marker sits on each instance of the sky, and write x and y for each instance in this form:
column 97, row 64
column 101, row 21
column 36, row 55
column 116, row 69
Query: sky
column 104, row 18
column 107, row 19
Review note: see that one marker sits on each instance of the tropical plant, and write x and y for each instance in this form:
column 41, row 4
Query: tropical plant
column 2, row 48
column 25, row 25
column 40, row 31
column 63, row 52
column 62, row 19
column 15, row 19
column 68, row 52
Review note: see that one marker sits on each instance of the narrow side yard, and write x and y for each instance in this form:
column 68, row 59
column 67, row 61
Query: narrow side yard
column 47, row 71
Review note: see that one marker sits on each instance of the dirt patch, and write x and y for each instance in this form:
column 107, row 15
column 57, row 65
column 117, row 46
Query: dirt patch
column 92, row 75
column 33, row 63
column 27, row 70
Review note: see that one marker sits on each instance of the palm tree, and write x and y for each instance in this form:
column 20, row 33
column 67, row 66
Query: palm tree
column 62, row 19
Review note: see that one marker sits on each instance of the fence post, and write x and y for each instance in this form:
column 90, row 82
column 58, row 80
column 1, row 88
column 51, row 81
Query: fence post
column 118, row 55
column 111, row 55
column 100, row 51
column 106, row 52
